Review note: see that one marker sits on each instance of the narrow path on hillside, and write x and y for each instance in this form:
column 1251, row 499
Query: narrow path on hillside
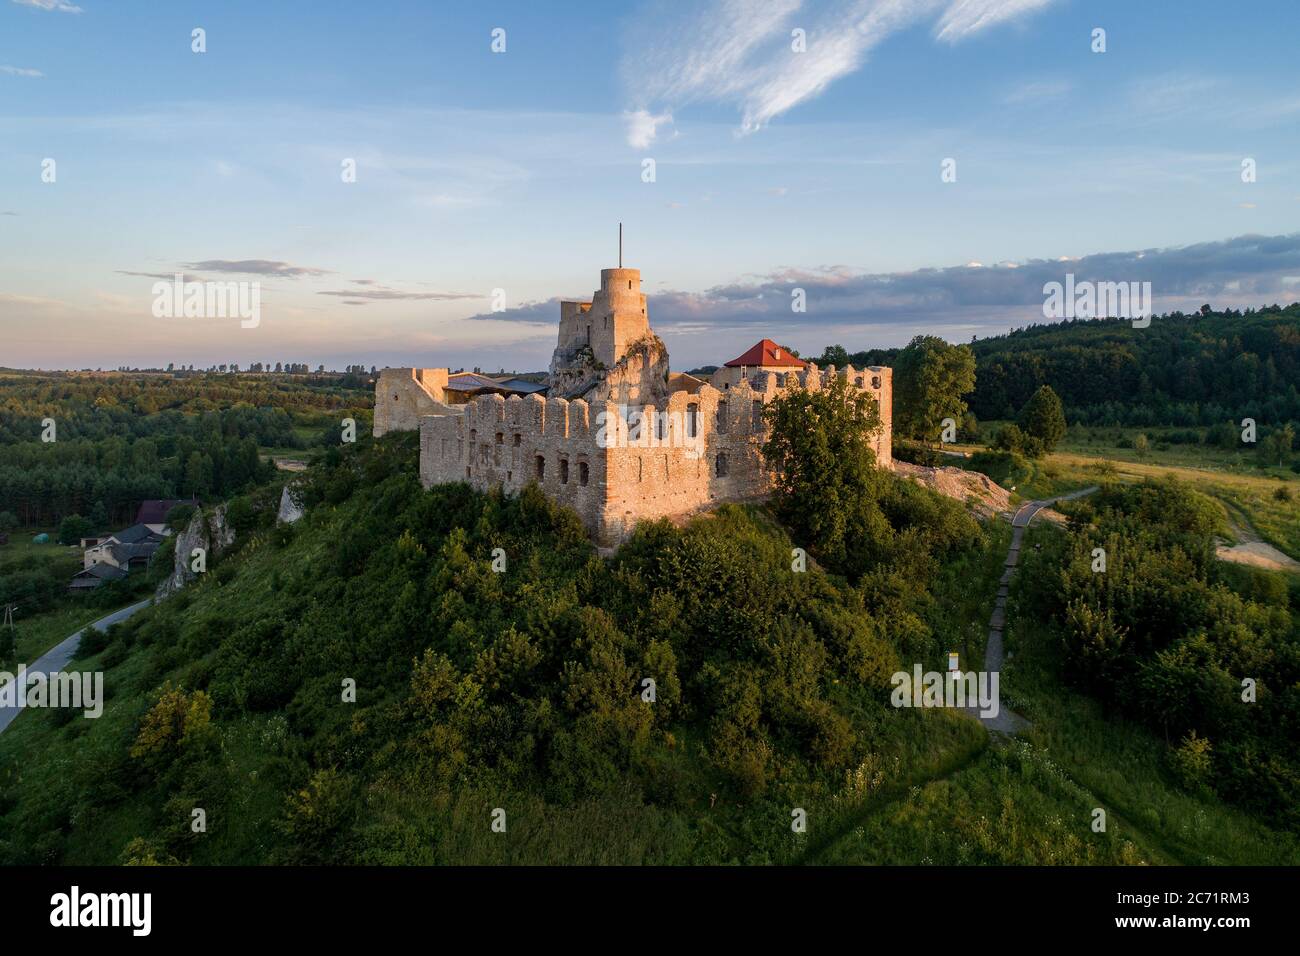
column 57, row 657
column 1005, row 721
column 1250, row 548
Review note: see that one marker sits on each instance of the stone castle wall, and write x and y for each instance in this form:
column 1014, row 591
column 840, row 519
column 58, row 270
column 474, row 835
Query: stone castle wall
column 404, row 395
column 496, row 442
column 617, row 463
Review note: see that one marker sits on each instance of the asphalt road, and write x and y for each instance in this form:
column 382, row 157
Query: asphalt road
column 57, row 657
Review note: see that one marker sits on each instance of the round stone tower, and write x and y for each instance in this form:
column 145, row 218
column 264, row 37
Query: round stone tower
column 620, row 309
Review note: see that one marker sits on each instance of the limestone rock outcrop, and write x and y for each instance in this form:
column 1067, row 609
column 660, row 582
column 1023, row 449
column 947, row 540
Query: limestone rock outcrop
column 290, row 506
column 207, row 530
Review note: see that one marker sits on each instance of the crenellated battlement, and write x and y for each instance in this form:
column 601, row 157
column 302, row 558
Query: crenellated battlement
column 627, row 441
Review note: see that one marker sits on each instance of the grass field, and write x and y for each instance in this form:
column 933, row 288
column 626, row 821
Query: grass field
column 1088, row 456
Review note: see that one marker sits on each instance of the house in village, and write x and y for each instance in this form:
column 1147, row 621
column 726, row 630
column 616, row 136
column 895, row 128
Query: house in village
column 114, row 557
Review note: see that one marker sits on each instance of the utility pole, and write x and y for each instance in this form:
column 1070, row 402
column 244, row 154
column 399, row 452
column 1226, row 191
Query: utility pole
column 8, row 645
column 620, row 245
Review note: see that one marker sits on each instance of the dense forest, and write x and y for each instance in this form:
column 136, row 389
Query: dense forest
column 1201, row 369
column 118, row 439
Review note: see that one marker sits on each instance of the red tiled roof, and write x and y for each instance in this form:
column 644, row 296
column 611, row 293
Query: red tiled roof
column 768, row 353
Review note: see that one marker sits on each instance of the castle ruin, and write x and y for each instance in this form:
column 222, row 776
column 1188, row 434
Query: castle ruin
column 617, row 436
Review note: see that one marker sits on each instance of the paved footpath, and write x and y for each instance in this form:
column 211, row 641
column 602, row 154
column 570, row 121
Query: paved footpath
column 1006, row 721
column 57, row 657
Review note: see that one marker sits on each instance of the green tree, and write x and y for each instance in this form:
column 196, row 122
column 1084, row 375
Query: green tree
column 824, row 468
column 1275, row 447
column 930, row 379
column 198, row 474
column 834, row 355
column 73, row 528
column 1043, row 417
column 8, row 521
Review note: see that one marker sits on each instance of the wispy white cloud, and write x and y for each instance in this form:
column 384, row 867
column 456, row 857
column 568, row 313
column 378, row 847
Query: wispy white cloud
column 62, row 6
column 1040, row 91
column 643, row 126
column 1167, row 95
column 964, row 18
column 19, row 71
column 749, row 53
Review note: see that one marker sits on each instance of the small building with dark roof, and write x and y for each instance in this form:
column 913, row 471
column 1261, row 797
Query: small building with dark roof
column 94, row 576
column 154, row 510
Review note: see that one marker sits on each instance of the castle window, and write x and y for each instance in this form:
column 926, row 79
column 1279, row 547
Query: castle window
column 589, row 335
column 583, row 473
column 496, row 452
column 660, row 419
column 629, row 283
column 858, row 381
column 875, row 381
column 467, row 474
column 722, row 416
column 444, row 448
column 541, row 468
column 394, row 396
column 720, row 466
column 756, row 416
column 692, row 420
column 564, row 471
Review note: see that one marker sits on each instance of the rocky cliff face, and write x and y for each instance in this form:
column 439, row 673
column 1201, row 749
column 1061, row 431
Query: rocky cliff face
column 207, row 530
column 290, row 507
column 641, row 376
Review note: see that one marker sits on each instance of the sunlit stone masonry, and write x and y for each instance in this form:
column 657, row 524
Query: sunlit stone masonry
column 612, row 433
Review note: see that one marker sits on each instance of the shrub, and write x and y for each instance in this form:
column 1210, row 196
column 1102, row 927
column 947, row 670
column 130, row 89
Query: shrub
column 1191, row 762
column 317, row 815
column 176, row 721
column 178, row 518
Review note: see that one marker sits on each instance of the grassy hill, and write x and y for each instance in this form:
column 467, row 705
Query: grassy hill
column 524, row 691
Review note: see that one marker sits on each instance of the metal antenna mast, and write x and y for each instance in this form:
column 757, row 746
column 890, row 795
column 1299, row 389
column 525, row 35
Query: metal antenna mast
column 620, row 245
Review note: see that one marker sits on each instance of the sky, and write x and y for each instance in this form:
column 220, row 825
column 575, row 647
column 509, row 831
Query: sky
column 795, row 145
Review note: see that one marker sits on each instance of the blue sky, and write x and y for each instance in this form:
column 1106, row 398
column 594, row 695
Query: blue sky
column 774, row 169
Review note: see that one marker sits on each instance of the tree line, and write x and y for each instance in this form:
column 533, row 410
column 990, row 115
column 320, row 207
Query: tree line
column 1197, row 369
